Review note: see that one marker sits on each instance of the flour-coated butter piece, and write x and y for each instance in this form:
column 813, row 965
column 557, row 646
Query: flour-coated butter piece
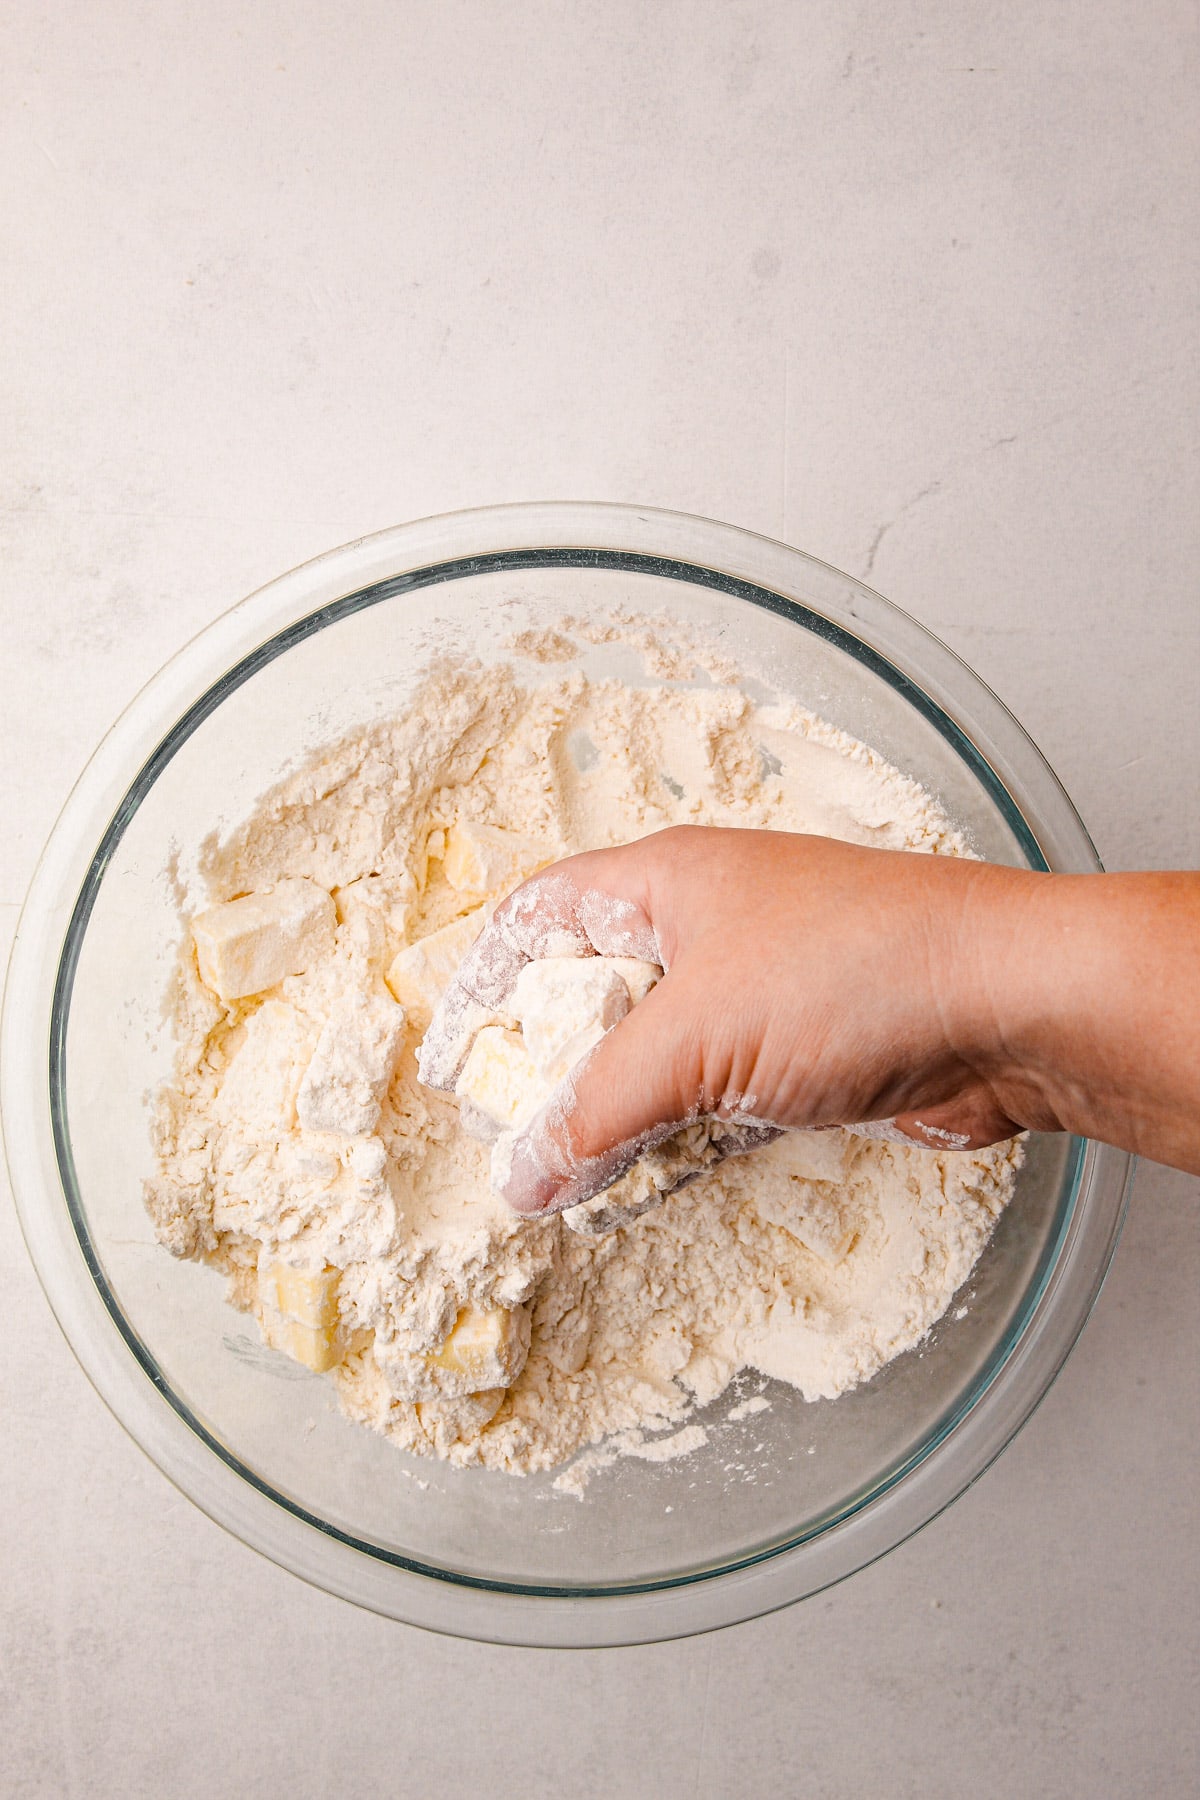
column 246, row 946
column 564, row 1005
column 422, row 971
column 486, row 859
column 639, row 977
column 351, row 1067
column 486, row 1349
column 258, row 1089
column 500, row 1079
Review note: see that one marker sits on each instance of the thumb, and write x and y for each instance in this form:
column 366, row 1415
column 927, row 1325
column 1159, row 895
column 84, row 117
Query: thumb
column 639, row 1084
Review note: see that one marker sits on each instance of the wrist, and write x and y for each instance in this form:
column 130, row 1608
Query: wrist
column 1011, row 983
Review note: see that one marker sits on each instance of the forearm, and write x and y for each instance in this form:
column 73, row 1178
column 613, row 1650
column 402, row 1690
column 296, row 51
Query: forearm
column 1088, row 1005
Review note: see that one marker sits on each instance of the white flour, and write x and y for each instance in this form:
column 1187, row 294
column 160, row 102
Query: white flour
column 297, row 1145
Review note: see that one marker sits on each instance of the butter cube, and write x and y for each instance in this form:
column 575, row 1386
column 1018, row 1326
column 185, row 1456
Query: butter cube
column 484, row 859
column 308, row 1296
column 499, row 1078
column 486, row 1349
column 351, row 1067
column 565, row 1004
column 421, row 972
column 317, row 1349
column 245, row 946
column 300, row 1313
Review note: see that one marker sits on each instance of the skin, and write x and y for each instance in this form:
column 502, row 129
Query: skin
column 815, row 983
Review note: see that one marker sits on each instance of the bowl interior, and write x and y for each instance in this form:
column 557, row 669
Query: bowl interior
column 761, row 1483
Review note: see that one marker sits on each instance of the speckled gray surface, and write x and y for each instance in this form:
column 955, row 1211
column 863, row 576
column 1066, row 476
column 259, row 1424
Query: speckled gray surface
column 907, row 285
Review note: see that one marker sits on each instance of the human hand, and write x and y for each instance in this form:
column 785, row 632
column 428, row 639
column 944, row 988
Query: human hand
column 809, row 983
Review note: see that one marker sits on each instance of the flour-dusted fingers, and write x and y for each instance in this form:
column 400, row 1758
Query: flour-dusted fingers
column 444, row 1049
column 575, row 908
column 649, row 1076
column 579, row 907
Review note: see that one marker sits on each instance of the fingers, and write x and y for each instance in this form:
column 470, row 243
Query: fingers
column 576, row 908
column 741, row 997
column 638, row 1086
column 651, row 1075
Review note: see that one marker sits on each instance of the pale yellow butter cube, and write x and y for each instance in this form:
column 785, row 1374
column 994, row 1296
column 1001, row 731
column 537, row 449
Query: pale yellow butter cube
column 485, row 859
column 245, row 946
column 487, row 1347
column 421, row 972
column 309, row 1296
column 315, row 1346
column 499, row 1078
column 300, row 1313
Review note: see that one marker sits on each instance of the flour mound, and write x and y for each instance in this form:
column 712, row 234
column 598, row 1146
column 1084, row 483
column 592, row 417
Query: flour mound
column 298, row 1151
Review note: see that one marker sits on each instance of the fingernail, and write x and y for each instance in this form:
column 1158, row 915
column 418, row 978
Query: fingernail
column 520, row 1176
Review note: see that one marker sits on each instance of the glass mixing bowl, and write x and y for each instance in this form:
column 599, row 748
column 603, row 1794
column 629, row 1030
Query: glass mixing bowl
column 776, row 1505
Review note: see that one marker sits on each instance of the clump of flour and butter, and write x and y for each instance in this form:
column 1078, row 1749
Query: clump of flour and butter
column 350, row 1205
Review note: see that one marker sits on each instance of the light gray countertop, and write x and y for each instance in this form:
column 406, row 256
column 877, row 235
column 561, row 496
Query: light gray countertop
column 909, row 286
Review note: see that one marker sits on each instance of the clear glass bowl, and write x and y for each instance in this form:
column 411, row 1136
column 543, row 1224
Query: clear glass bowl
column 777, row 1505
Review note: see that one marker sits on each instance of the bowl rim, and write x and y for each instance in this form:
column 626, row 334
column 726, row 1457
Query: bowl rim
column 593, row 534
